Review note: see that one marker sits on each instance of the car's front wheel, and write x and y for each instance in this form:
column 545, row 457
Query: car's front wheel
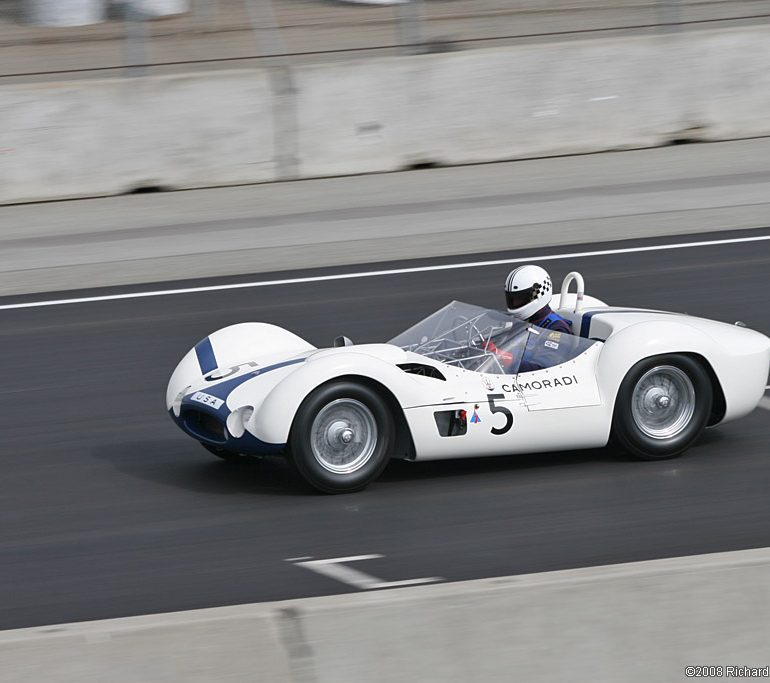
column 662, row 407
column 341, row 437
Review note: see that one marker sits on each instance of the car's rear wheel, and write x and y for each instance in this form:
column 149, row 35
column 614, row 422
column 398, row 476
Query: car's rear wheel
column 662, row 407
column 341, row 437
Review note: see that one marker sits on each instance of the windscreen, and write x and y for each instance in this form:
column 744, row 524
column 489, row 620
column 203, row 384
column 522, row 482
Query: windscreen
column 458, row 334
column 484, row 340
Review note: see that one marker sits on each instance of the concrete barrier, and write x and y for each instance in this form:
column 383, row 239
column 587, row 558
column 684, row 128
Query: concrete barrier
column 85, row 138
column 635, row 622
column 91, row 137
column 535, row 100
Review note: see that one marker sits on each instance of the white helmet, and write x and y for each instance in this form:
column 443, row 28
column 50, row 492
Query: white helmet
column 527, row 290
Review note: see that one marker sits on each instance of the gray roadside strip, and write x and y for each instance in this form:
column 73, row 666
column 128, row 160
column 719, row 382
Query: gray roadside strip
column 381, row 273
column 499, row 623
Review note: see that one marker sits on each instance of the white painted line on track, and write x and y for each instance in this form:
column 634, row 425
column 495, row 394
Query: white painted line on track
column 380, row 273
column 334, row 568
column 764, row 402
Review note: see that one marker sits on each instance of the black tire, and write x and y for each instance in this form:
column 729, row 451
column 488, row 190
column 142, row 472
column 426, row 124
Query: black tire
column 343, row 394
column 631, row 427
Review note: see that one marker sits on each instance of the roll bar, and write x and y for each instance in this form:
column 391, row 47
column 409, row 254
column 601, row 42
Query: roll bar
column 580, row 284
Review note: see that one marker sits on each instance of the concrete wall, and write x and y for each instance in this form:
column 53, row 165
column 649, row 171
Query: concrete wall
column 484, row 105
column 84, row 138
column 99, row 137
column 537, row 100
column 640, row 622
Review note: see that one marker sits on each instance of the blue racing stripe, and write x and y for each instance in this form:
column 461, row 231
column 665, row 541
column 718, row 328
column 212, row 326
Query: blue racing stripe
column 206, row 358
column 585, row 323
column 223, row 389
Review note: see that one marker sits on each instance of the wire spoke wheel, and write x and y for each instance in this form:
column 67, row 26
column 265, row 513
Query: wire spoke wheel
column 343, row 436
column 663, row 402
column 662, row 407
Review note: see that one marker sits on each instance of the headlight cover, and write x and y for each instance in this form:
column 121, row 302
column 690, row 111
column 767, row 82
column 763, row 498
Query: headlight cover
column 176, row 406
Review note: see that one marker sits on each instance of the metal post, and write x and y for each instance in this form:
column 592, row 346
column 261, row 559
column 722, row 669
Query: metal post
column 410, row 26
column 263, row 22
column 670, row 14
column 207, row 9
column 285, row 128
column 136, row 51
column 64, row 12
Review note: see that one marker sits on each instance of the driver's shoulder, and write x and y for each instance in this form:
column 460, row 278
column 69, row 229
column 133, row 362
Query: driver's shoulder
column 555, row 323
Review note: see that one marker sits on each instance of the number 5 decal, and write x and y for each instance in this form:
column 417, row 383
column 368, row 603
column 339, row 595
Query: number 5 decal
column 500, row 409
column 216, row 376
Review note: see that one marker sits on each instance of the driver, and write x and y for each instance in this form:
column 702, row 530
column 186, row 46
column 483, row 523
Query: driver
column 528, row 292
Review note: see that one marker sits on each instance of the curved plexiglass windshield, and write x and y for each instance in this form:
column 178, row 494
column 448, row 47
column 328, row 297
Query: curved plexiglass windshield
column 485, row 340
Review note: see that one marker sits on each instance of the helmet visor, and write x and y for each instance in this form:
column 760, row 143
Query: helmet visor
column 519, row 298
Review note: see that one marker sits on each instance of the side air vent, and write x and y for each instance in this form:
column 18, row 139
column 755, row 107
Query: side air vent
column 451, row 422
column 422, row 370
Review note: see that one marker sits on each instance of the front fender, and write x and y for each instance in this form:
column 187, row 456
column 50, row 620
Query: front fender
column 222, row 352
column 274, row 418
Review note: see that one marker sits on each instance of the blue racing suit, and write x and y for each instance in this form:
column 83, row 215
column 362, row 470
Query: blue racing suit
column 549, row 320
column 542, row 350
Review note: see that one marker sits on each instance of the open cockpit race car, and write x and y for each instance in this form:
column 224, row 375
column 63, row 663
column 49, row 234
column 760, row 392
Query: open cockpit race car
column 468, row 381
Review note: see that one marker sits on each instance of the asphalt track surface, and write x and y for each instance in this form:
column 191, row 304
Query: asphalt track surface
column 108, row 510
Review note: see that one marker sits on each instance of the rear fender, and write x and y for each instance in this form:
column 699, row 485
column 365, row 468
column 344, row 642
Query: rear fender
column 642, row 340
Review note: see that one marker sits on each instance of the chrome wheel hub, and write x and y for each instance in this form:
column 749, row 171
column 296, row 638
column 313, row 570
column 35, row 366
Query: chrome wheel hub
column 663, row 402
column 343, row 436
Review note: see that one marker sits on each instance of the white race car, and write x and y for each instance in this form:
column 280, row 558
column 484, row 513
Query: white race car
column 652, row 379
